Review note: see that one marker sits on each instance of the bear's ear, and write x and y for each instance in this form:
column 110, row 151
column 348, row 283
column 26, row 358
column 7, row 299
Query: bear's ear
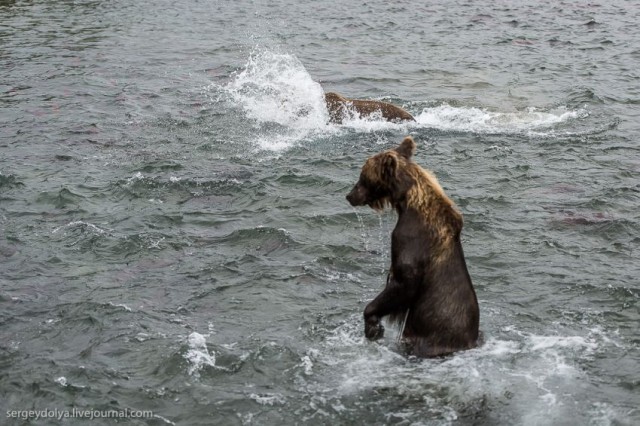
column 407, row 147
column 389, row 166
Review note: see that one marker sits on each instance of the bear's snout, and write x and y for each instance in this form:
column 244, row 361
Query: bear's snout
column 355, row 197
column 350, row 198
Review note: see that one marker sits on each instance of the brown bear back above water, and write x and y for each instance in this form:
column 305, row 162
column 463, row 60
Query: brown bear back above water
column 340, row 107
column 428, row 283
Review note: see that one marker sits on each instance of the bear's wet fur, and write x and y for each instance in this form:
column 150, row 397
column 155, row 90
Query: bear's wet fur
column 340, row 107
column 428, row 283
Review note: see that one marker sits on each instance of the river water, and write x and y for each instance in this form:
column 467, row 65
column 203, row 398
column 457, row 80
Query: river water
column 174, row 235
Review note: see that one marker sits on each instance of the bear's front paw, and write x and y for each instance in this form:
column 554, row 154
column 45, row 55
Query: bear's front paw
column 373, row 331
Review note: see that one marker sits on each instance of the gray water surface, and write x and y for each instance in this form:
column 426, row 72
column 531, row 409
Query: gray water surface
column 174, row 235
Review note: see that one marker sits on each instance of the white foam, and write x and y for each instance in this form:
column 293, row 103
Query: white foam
column 538, row 343
column 499, row 348
column 121, row 305
column 198, row 355
column 307, row 365
column 156, row 244
column 142, row 337
column 544, row 369
column 479, row 120
column 373, row 123
column 62, row 381
column 268, row 399
column 135, row 177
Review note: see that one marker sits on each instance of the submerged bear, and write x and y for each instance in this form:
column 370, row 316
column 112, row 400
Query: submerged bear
column 340, row 107
column 428, row 287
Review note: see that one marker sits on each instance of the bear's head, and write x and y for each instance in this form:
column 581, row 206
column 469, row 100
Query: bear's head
column 333, row 99
column 383, row 179
column 335, row 106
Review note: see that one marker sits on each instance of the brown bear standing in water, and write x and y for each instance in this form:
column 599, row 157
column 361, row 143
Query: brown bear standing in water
column 339, row 107
column 428, row 287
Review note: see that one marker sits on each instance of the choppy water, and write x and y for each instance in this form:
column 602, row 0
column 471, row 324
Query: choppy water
column 174, row 234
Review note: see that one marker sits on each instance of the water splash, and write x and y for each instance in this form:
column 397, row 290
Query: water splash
column 544, row 367
column 198, row 355
column 276, row 88
column 278, row 93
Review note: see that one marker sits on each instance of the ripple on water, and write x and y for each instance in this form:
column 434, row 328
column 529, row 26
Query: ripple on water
column 61, row 199
column 262, row 238
column 112, row 244
column 179, row 189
